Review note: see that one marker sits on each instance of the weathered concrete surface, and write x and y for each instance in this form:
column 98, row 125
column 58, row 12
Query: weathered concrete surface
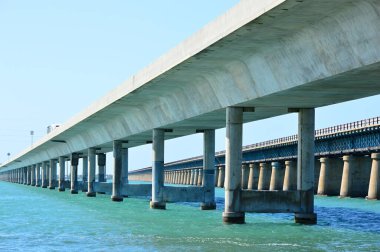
column 133, row 190
column 183, row 194
column 270, row 201
column 268, row 54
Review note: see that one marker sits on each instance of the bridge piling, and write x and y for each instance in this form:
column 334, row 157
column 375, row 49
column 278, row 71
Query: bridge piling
column 158, row 145
column 290, row 177
column 52, row 174
column 84, row 173
column 264, row 177
column 44, row 173
column 305, row 167
column 277, row 178
column 208, row 170
column 61, row 182
column 117, row 172
column 91, row 172
column 374, row 184
column 38, row 175
column 346, row 184
column 74, row 173
column 232, row 186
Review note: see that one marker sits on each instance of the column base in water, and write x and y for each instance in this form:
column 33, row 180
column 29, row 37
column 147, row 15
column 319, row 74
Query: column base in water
column 72, row 191
column 116, row 198
column 52, row 187
column 44, row 186
column 158, row 205
column 370, row 198
column 61, row 189
column 234, row 218
column 101, row 193
column 208, row 206
column 305, row 218
column 38, row 186
column 91, row 194
column 84, row 190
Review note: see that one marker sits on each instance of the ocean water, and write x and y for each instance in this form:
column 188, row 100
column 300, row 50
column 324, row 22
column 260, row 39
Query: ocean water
column 36, row 219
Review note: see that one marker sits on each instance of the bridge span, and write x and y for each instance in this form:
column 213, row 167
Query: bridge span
column 260, row 59
column 344, row 155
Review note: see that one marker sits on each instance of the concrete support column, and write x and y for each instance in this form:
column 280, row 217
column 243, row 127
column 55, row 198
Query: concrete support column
column 116, row 180
column 346, row 184
column 196, row 175
column 84, row 173
column 38, row 175
column 264, row 180
column 44, row 173
column 253, row 177
column 200, row 178
column 74, row 173
column 29, row 175
column 102, row 167
column 374, row 181
column 221, row 176
column 305, row 166
column 192, row 176
column 25, row 170
column 290, row 177
column 216, row 176
column 244, row 176
column 52, row 174
column 91, row 172
column 188, row 177
column 124, row 168
column 61, row 182
column 322, row 176
column 33, row 175
column 234, row 138
column 158, row 145
column 208, row 178
column 276, row 178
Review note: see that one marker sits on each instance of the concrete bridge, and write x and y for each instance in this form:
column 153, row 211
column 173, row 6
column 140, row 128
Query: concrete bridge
column 343, row 154
column 260, row 59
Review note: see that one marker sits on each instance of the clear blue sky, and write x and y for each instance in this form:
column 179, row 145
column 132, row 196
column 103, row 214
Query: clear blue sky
column 57, row 57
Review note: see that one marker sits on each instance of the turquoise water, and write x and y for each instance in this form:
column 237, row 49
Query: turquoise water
column 36, row 219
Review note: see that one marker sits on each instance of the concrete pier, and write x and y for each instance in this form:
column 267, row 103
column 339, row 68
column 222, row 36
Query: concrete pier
column 305, row 167
column 346, row 184
column 200, row 177
column 209, row 170
column 61, row 182
column 264, row 177
column 253, row 176
column 74, row 173
column 290, row 177
column 38, row 175
column 44, row 173
column 158, row 145
column 217, row 176
column 29, row 175
column 124, row 169
column 322, row 176
column 32, row 175
column 234, row 138
column 52, row 174
column 102, row 167
column 221, row 176
column 91, row 172
column 276, row 180
column 84, row 173
column 374, row 182
column 117, row 168
column 244, row 176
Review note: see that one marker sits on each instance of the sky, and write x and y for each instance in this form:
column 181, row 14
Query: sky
column 58, row 57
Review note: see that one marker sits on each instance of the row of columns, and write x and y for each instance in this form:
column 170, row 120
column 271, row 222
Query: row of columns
column 349, row 180
column 192, row 176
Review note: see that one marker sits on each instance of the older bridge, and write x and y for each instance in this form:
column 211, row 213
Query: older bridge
column 260, row 59
column 342, row 163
